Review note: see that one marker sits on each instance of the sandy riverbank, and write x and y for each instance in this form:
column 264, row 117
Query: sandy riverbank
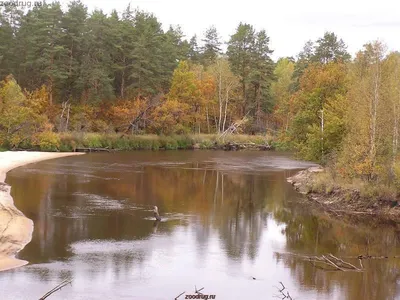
column 16, row 229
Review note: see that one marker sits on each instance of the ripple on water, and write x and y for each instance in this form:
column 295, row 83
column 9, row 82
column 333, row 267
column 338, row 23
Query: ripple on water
column 94, row 205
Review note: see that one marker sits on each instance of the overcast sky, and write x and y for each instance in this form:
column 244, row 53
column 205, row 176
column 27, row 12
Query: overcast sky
column 289, row 23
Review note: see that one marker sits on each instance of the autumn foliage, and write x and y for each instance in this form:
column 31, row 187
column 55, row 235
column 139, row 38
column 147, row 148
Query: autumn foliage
column 97, row 79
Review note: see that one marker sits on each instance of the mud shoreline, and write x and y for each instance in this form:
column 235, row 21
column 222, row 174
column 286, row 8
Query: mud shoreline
column 16, row 229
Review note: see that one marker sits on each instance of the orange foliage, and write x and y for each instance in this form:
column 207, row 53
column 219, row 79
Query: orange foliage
column 124, row 111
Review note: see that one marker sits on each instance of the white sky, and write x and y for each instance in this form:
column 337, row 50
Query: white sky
column 289, row 23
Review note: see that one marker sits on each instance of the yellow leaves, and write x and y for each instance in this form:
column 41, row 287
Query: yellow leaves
column 319, row 108
column 47, row 141
column 38, row 100
column 19, row 121
column 190, row 92
column 280, row 90
column 183, row 86
column 10, row 93
column 207, row 88
column 171, row 117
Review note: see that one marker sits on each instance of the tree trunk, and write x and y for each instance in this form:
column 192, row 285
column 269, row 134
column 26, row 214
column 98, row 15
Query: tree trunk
column 373, row 115
column 220, row 101
column 122, row 92
column 215, row 119
column 226, row 108
column 395, row 138
column 208, row 120
column 244, row 97
column 258, row 104
column 64, row 106
column 71, row 58
column 51, row 92
column 322, row 133
column 66, row 124
column 123, row 85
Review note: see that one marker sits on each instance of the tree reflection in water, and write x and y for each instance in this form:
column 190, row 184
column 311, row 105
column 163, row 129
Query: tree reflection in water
column 95, row 212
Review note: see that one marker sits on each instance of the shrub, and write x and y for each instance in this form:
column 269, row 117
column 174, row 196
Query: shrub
column 323, row 183
column 47, row 141
column 68, row 142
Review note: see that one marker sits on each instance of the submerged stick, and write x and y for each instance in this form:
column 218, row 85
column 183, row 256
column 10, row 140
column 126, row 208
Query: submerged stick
column 176, row 298
column 333, row 264
column 344, row 262
column 282, row 291
column 57, row 288
column 196, row 291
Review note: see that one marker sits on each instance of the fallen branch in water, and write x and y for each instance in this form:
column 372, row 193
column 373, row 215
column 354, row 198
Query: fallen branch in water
column 334, row 262
column 372, row 257
column 284, row 293
column 57, row 288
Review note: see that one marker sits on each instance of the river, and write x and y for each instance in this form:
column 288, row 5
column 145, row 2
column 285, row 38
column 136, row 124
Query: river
column 230, row 223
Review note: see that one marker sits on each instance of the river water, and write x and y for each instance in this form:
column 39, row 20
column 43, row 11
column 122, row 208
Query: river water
column 230, row 223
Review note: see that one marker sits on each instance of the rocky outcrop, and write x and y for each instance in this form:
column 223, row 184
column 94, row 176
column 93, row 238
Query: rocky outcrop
column 302, row 181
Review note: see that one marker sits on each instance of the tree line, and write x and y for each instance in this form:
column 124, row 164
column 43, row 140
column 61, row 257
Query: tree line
column 94, row 59
column 343, row 111
column 94, row 72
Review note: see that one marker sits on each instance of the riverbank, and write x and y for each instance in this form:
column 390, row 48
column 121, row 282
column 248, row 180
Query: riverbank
column 79, row 141
column 340, row 199
column 16, row 229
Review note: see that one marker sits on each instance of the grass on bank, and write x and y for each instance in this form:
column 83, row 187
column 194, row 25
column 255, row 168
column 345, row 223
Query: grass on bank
column 71, row 141
column 326, row 183
column 66, row 142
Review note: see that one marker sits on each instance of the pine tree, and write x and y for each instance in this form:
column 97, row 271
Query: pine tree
column 42, row 32
column 212, row 46
column 96, row 76
column 249, row 55
column 330, row 49
column 194, row 51
column 261, row 77
column 240, row 54
column 74, row 27
column 10, row 21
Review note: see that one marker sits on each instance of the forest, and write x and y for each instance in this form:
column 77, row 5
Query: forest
column 72, row 74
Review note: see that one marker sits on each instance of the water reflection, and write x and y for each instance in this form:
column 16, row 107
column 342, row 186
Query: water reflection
column 227, row 217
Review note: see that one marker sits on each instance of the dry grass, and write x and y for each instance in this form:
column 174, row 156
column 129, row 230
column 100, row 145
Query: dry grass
column 326, row 182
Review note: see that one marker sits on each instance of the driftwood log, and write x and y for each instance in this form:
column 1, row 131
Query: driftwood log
column 230, row 146
column 95, row 150
column 329, row 262
column 333, row 263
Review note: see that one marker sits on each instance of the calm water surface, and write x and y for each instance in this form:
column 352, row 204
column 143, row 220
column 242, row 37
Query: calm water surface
column 227, row 217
